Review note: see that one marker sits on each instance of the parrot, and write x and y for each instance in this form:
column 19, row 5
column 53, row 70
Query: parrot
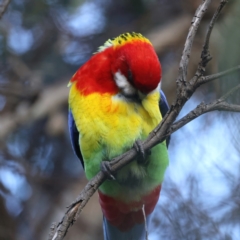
column 115, row 101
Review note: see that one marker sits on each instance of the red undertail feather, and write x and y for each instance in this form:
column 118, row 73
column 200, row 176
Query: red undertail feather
column 125, row 215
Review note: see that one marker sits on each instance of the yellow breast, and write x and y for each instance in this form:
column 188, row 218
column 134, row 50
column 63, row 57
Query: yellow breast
column 110, row 125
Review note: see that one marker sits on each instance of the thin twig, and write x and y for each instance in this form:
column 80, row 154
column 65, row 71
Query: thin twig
column 209, row 78
column 205, row 53
column 52, row 230
column 3, row 7
column 183, row 65
column 200, row 110
column 229, row 93
column 219, row 104
column 76, row 207
column 145, row 221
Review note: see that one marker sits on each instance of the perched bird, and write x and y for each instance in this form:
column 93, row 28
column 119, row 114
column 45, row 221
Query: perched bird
column 115, row 101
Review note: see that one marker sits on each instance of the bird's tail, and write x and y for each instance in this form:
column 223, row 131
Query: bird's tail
column 137, row 232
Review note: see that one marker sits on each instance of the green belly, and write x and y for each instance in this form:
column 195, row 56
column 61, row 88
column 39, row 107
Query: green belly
column 135, row 180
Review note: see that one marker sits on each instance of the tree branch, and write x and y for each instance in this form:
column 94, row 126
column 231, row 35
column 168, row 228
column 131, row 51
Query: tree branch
column 212, row 77
column 205, row 53
column 183, row 66
column 219, row 104
column 166, row 127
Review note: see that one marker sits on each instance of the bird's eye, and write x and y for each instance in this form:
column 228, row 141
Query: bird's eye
column 130, row 76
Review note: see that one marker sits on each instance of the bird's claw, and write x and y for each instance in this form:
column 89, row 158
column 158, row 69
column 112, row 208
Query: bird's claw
column 139, row 147
column 107, row 170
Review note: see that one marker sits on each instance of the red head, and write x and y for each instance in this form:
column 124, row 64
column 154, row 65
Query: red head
column 135, row 59
column 127, row 64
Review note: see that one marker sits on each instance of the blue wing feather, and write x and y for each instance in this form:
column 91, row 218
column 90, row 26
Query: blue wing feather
column 74, row 136
column 164, row 107
column 163, row 104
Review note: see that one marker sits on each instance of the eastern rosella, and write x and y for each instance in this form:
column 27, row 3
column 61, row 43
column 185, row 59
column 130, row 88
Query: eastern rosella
column 114, row 101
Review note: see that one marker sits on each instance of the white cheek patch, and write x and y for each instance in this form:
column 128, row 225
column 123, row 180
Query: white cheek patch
column 159, row 85
column 123, row 84
column 158, row 88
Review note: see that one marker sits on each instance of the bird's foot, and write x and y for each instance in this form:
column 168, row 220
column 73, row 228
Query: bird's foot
column 107, row 170
column 139, row 147
column 143, row 154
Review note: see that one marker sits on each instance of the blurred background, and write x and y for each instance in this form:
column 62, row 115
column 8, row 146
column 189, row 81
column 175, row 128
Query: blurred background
column 42, row 44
